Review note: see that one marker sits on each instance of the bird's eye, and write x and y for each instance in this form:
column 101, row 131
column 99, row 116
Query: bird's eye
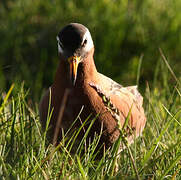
column 84, row 43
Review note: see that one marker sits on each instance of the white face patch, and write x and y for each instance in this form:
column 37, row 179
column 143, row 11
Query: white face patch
column 60, row 50
column 89, row 45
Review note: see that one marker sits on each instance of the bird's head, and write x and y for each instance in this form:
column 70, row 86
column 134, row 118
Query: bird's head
column 74, row 45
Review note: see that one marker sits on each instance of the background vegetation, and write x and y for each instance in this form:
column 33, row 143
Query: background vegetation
column 122, row 31
column 127, row 35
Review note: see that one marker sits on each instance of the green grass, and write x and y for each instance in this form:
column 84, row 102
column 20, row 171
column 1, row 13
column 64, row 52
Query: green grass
column 25, row 153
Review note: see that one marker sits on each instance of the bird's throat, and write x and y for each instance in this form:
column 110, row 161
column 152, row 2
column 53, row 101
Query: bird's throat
column 86, row 71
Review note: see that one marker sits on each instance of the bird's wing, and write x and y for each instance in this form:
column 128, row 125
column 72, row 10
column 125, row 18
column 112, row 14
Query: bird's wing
column 111, row 87
column 122, row 100
column 132, row 92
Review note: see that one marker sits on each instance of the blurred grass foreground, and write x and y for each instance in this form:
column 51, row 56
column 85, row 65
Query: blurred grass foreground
column 136, row 42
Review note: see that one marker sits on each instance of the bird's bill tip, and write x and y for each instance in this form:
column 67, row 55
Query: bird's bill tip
column 73, row 62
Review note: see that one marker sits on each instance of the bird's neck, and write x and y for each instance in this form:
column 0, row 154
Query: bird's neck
column 86, row 70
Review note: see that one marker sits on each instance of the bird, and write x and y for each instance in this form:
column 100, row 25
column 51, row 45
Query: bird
column 79, row 90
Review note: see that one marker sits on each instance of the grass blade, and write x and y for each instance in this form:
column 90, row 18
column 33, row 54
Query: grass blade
column 6, row 98
column 81, row 169
column 173, row 163
column 149, row 153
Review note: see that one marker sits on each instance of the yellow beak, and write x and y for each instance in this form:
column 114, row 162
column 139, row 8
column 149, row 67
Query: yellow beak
column 74, row 62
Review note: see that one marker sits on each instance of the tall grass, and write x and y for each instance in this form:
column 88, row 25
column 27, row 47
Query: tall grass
column 26, row 154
